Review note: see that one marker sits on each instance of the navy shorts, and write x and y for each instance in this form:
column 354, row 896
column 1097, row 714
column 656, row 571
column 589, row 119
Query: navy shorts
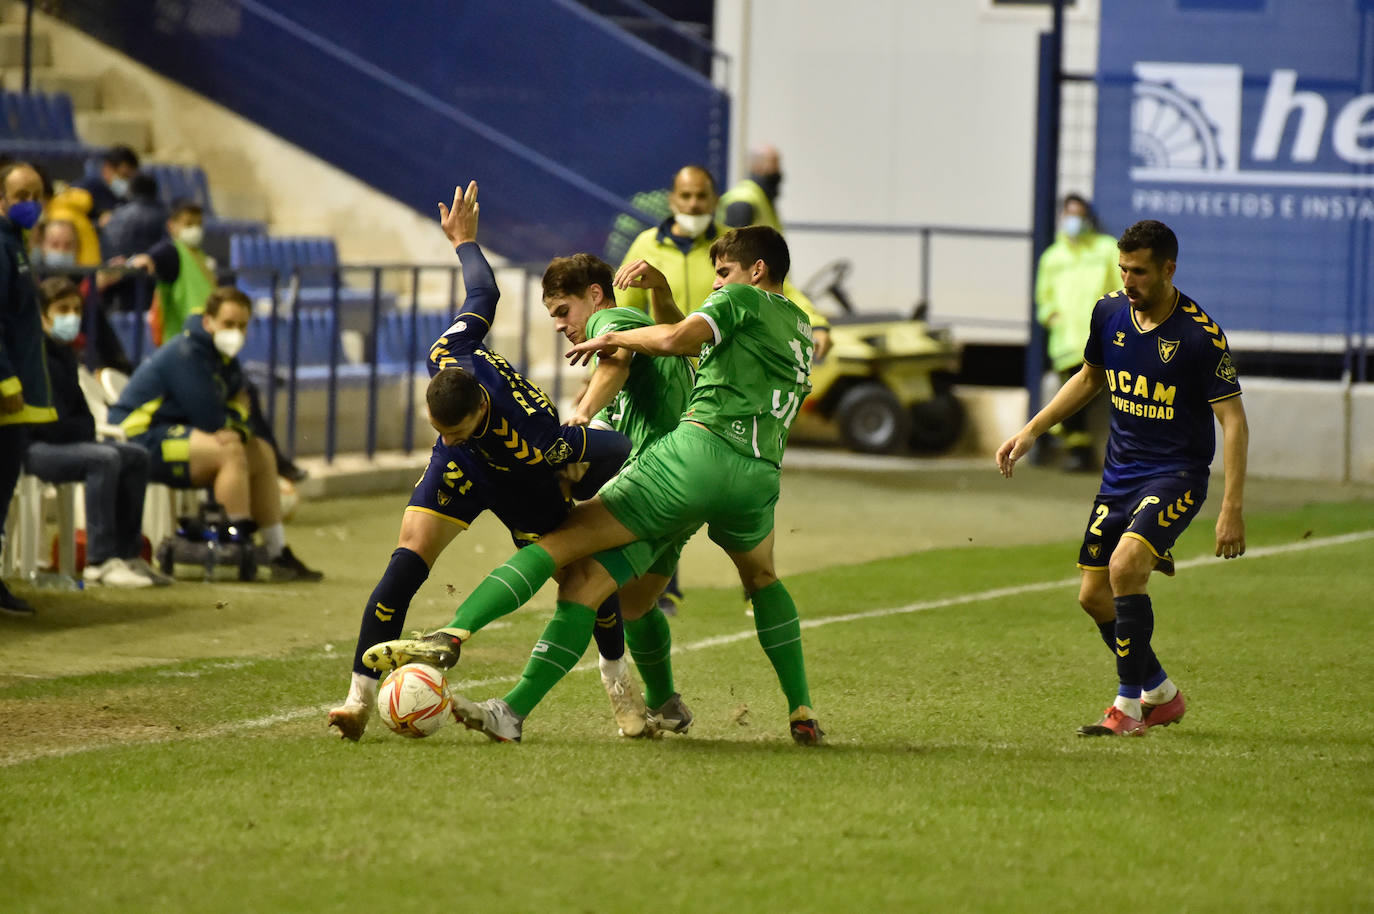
column 1154, row 512
column 457, row 487
column 169, row 454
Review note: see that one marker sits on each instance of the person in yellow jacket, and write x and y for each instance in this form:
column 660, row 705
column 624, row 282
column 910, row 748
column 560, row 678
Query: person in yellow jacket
column 679, row 249
column 1074, row 272
column 25, row 391
column 753, row 201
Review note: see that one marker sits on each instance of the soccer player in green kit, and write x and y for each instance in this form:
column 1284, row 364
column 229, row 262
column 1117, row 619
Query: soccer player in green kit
column 720, row 466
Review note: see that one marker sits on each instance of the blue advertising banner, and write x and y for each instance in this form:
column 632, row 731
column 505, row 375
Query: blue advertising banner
column 1247, row 126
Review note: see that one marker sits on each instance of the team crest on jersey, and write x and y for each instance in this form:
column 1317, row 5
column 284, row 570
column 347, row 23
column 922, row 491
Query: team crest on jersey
column 443, row 499
column 560, row 452
column 1226, row 369
column 1095, row 550
column 1120, row 338
column 1167, row 348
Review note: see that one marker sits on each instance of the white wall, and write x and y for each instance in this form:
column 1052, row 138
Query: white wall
column 901, row 112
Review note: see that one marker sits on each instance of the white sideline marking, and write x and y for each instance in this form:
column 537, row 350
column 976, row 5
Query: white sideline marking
column 996, row 593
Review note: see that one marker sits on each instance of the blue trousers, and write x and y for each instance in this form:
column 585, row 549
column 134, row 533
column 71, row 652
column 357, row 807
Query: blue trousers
column 116, row 478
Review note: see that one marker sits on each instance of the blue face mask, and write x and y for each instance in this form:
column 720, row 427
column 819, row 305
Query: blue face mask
column 25, row 213
column 65, row 327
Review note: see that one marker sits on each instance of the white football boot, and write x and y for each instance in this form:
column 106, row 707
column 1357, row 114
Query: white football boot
column 626, row 700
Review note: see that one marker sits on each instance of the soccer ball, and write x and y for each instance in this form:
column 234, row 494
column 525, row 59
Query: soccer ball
column 414, row 700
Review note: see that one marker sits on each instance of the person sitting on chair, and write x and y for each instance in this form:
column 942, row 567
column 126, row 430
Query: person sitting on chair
column 115, row 472
column 187, row 407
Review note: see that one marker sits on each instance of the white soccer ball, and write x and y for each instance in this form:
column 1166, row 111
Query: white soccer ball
column 414, row 700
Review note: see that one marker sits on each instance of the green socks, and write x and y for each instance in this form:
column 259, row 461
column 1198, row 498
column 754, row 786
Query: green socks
column 651, row 644
column 506, row 589
column 779, row 630
column 563, row 643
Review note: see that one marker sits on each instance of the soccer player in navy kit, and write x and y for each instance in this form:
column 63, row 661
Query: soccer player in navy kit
column 500, row 448
column 1169, row 371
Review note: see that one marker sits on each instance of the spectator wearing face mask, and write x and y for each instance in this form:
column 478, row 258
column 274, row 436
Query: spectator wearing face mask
column 1074, row 272
column 88, row 202
column 185, row 273
column 25, row 392
column 115, row 473
column 138, row 223
column 754, row 201
column 56, row 255
column 187, row 407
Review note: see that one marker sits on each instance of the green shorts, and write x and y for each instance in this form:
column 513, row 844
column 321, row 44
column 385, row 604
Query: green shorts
column 688, row 478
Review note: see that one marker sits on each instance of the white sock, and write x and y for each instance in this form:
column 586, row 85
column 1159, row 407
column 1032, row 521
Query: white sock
column 274, row 538
column 1129, row 706
column 611, row 669
column 362, row 691
column 1161, row 694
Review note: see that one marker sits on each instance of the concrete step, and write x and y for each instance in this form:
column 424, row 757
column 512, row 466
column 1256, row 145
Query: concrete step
column 84, row 89
column 107, row 128
column 12, row 46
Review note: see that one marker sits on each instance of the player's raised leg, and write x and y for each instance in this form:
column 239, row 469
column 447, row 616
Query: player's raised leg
column 423, row 536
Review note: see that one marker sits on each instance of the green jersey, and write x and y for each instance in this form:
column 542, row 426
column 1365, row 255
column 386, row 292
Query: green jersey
column 655, row 394
column 753, row 377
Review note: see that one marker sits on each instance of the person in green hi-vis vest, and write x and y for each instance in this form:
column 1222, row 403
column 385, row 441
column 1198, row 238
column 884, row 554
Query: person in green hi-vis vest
column 185, row 273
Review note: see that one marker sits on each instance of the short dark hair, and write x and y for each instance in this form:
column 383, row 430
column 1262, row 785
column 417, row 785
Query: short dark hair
column 143, row 186
column 54, row 289
column 576, row 274
column 692, row 166
column 1152, row 234
column 453, row 396
column 185, row 205
column 227, row 294
column 752, row 243
column 119, row 155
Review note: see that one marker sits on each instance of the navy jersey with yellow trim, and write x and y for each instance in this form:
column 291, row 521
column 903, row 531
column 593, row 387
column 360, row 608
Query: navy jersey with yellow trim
column 1162, row 383
column 522, row 430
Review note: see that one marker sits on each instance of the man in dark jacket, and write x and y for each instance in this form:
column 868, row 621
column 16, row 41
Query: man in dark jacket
column 25, row 395
column 115, row 472
column 187, row 407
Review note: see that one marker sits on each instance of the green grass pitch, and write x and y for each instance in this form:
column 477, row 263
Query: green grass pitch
column 167, row 751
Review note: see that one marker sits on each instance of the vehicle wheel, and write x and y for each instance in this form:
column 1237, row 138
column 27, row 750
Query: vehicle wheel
column 871, row 419
column 937, row 423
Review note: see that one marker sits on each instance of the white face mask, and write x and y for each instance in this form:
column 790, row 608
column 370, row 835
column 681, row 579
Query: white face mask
column 119, row 186
column 65, row 327
column 191, row 236
column 693, row 225
column 1072, row 226
column 59, row 259
column 228, row 342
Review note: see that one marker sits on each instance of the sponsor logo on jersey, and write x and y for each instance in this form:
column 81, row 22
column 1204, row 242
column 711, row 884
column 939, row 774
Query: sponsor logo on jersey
column 1120, row 338
column 1167, row 348
column 560, row 451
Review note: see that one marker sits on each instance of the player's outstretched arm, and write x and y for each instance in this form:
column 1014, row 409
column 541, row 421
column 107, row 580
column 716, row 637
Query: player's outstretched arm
column 1235, row 431
column 1072, row 397
column 682, row 338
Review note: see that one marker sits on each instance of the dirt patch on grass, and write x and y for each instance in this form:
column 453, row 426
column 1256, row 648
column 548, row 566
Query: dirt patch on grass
column 49, row 726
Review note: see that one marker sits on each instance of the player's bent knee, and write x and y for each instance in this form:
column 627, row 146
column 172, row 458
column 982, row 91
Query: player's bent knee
column 1130, row 567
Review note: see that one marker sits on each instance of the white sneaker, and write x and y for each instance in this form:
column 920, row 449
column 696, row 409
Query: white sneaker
column 114, row 573
column 626, row 700
column 349, row 720
column 148, row 571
